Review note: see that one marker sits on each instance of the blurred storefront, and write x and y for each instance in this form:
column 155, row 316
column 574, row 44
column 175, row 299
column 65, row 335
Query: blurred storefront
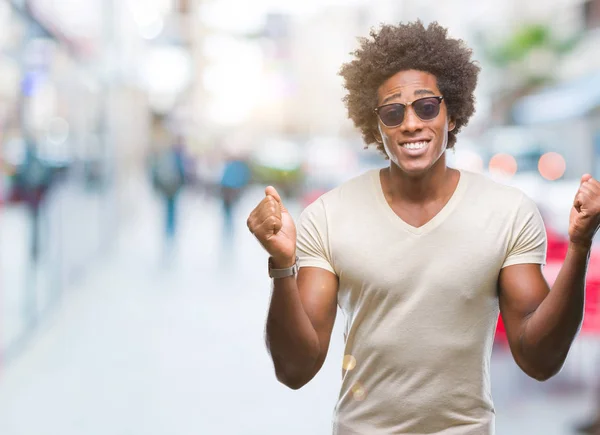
column 68, row 99
column 568, row 114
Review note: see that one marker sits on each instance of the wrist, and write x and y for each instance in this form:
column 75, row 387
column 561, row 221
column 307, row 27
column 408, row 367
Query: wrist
column 282, row 262
column 280, row 270
column 580, row 247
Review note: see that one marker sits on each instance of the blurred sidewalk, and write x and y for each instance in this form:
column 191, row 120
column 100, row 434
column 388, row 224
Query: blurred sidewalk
column 144, row 347
column 72, row 227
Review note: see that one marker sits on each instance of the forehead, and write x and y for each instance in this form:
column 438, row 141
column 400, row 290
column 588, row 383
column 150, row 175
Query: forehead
column 406, row 83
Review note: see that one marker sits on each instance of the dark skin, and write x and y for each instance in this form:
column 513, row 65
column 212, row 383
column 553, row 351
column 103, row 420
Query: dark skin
column 303, row 309
column 541, row 325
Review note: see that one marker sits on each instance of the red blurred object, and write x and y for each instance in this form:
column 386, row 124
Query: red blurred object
column 557, row 250
column 557, row 246
column 311, row 196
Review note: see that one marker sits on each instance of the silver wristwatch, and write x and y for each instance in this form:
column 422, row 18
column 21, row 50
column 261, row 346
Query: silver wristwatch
column 283, row 273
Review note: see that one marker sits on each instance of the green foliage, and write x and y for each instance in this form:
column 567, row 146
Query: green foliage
column 519, row 45
column 288, row 181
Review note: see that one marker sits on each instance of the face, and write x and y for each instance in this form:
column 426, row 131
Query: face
column 415, row 145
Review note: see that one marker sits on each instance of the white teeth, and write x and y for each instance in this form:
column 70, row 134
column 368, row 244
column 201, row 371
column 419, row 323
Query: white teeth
column 415, row 145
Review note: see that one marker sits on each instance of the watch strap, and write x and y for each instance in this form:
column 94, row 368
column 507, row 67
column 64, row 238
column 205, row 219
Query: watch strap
column 283, row 273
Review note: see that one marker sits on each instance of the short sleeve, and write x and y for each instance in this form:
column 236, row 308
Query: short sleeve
column 527, row 242
column 313, row 238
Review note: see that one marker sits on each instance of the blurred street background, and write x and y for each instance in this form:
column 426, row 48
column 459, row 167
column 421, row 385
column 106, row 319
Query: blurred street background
column 137, row 135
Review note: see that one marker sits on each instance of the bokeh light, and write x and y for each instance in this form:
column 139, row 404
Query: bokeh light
column 503, row 164
column 552, row 166
column 137, row 136
column 469, row 160
column 349, row 362
column 58, row 131
column 359, row 392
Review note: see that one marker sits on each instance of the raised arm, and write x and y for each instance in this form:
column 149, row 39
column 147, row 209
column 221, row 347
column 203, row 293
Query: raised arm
column 541, row 324
column 299, row 324
column 303, row 308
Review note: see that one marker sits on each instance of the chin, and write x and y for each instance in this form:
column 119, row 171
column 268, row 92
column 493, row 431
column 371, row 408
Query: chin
column 418, row 166
column 414, row 168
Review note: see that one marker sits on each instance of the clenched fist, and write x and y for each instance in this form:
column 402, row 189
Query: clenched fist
column 274, row 228
column 585, row 214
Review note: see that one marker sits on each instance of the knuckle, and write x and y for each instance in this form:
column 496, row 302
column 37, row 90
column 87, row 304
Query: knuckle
column 271, row 220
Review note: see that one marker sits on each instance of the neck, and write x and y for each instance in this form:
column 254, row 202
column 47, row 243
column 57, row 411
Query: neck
column 421, row 188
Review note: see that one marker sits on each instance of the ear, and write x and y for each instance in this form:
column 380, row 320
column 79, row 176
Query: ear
column 451, row 125
column 377, row 135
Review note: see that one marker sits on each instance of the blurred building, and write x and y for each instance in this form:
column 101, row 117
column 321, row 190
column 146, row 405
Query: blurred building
column 567, row 108
column 80, row 83
column 86, row 79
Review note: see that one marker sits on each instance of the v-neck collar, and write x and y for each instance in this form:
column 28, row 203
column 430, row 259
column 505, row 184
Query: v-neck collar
column 433, row 222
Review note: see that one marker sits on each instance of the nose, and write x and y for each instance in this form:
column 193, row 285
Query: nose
column 411, row 121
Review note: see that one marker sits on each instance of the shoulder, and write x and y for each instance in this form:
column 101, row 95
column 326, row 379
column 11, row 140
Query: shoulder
column 352, row 190
column 485, row 190
column 497, row 203
column 344, row 197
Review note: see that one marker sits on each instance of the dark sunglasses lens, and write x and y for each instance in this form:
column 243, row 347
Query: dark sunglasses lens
column 392, row 115
column 427, row 108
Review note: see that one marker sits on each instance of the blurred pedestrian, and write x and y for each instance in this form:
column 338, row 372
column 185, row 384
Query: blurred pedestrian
column 420, row 257
column 168, row 175
column 235, row 178
column 32, row 181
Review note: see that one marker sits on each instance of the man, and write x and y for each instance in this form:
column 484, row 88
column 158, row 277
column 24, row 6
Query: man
column 33, row 179
column 235, row 178
column 168, row 176
column 420, row 257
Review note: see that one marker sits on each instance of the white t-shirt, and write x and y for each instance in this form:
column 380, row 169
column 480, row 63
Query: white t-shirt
column 420, row 304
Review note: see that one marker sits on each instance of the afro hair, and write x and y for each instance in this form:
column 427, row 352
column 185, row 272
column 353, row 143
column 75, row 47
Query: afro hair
column 409, row 46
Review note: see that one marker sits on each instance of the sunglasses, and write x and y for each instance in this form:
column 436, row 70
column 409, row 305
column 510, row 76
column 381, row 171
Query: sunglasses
column 426, row 109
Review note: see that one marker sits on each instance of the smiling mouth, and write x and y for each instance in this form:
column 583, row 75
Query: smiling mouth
column 415, row 145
